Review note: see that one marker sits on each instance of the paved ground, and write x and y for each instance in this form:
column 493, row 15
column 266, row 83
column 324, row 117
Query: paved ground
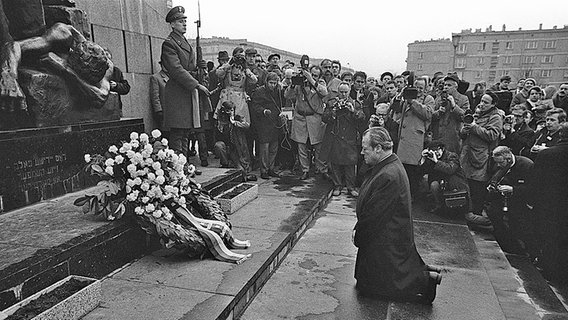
column 316, row 279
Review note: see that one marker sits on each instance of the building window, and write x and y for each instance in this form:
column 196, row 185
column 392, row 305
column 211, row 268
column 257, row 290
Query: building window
column 420, row 55
column 529, row 59
column 419, row 67
column 565, row 73
column 545, row 73
column 509, row 45
column 546, row 59
column 527, row 73
column 480, row 60
column 531, row 44
column 508, row 60
column 550, row 44
column 479, row 74
column 482, row 46
column 461, row 48
column 460, row 63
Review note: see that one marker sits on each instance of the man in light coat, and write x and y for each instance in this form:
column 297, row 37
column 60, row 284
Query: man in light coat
column 181, row 107
column 307, row 125
column 414, row 121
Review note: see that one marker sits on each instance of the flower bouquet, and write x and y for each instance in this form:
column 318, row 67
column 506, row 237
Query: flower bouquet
column 146, row 179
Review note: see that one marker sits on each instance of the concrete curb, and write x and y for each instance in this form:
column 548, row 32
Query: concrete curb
column 249, row 291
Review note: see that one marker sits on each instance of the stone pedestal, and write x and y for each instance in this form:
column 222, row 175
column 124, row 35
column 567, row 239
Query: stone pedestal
column 38, row 164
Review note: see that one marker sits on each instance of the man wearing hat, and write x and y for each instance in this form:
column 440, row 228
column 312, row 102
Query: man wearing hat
column 273, row 66
column 183, row 92
column 251, row 56
column 449, row 108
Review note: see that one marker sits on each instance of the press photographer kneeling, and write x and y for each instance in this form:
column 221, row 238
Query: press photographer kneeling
column 446, row 179
column 509, row 210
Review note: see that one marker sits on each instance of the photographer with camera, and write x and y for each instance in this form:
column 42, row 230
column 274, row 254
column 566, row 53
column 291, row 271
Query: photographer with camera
column 445, row 175
column 307, row 125
column 342, row 139
column 415, row 117
column 480, row 137
column 231, row 144
column 509, row 191
column 267, row 103
column 449, row 108
column 517, row 135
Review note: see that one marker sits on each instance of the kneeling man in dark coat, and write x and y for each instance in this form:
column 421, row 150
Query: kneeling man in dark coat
column 388, row 264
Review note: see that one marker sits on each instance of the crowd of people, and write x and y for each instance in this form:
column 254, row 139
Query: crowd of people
column 482, row 152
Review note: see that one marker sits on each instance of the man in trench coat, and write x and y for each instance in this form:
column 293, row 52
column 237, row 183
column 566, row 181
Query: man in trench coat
column 182, row 89
column 388, row 264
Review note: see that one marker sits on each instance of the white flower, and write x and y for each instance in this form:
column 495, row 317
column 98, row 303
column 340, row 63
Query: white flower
column 149, row 161
column 135, row 144
column 156, row 165
column 127, row 146
column 137, row 181
column 157, row 214
column 166, row 210
column 175, row 157
column 109, row 170
column 128, row 189
column 119, row 159
column 140, row 173
column 164, row 141
column 151, row 176
column 145, row 199
column 156, row 133
column 134, row 136
column 130, row 154
column 150, row 207
column 182, row 159
column 112, row 149
column 131, row 197
column 146, row 153
column 181, row 200
column 131, row 168
column 109, row 162
column 159, row 172
column 144, row 138
column 149, row 147
column 111, row 218
column 162, row 154
column 87, row 158
column 145, row 186
column 160, row 179
column 138, row 158
column 139, row 211
column 168, row 216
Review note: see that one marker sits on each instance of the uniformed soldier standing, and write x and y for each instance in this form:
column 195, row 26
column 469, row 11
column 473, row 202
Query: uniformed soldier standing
column 181, row 107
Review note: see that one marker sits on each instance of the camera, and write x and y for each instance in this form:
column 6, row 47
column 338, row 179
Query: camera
column 493, row 187
column 509, row 119
column 238, row 61
column 410, row 92
column 444, row 99
column 299, row 79
column 468, row 118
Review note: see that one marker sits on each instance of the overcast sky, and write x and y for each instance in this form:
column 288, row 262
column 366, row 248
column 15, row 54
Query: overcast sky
column 367, row 35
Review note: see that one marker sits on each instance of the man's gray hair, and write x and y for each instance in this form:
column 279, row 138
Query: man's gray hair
column 379, row 136
column 503, row 152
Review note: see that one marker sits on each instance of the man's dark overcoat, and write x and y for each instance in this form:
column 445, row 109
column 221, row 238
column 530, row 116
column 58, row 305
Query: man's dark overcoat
column 388, row 263
column 268, row 127
column 178, row 59
column 550, row 192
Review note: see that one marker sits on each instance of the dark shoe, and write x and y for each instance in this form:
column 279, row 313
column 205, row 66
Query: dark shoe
column 477, row 219
column 353, row 193
column 336, row 191
column 433, row 269
column 264, row 175
column 428, row 296
column 192, row 153
column 304, row 176
column 274, row 174
column 204, row 163
column 250, row 177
